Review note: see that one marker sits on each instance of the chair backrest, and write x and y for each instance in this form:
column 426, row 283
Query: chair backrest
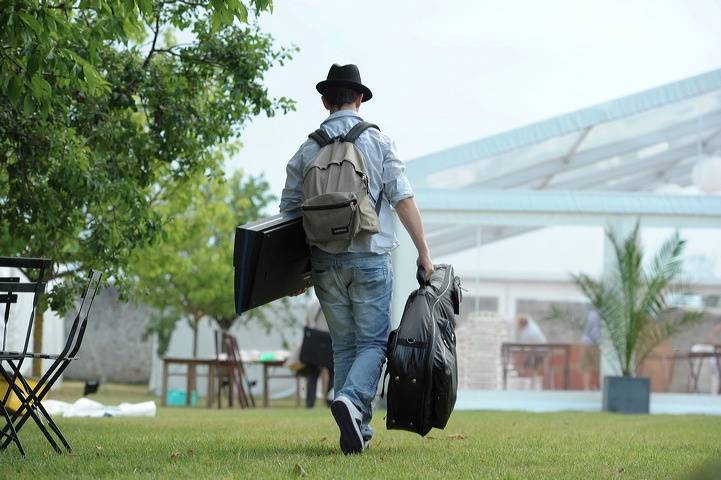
column 7, row 299
column 75, row 338
column 41, row 264
column 231, row 347
column 10, row 289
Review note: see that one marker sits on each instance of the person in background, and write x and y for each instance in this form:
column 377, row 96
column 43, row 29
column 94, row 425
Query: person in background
column 529, row 364
column 314, row 318
column 528, row 331
column 590, row 340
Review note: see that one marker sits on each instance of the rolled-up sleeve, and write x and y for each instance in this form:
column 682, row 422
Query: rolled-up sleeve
column 396, row 186
column 292, row 196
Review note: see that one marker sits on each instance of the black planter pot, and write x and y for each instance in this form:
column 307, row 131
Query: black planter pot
column 626, row 394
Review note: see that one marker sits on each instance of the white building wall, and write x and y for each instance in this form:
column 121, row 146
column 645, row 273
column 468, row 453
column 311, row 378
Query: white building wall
column 53, row 326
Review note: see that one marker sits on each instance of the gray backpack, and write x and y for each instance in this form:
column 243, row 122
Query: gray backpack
column 337, row 204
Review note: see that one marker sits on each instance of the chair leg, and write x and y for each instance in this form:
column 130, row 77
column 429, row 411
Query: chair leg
column 29, row 409
column 13, row 435
column 242, row 397
column 40, row 390
column 54, row 427
column 250, row 391
column 33, row 394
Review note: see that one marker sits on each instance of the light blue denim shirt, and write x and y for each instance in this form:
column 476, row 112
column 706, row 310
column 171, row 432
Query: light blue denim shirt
column 384, row 169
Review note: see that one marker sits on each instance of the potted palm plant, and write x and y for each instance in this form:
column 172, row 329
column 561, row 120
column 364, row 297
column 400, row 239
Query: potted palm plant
column 631, row 300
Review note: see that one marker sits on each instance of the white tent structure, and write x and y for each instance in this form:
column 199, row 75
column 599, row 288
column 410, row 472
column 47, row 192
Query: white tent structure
column 603, row 166
column 19, row 316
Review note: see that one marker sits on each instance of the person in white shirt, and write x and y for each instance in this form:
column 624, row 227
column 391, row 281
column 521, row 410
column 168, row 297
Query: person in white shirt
column 527, row 331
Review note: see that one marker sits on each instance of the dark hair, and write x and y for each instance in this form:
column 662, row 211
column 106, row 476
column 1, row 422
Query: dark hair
column 339, row 96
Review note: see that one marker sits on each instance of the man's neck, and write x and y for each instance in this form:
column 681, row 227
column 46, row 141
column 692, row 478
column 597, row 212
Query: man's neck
column 344, row 107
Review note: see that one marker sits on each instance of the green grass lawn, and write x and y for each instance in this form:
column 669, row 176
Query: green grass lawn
column 286, row 442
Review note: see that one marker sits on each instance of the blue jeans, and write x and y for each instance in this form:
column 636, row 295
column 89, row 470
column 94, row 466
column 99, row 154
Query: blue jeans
column 354, row 290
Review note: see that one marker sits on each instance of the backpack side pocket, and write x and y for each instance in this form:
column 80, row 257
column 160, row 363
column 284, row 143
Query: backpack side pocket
column 331, row 217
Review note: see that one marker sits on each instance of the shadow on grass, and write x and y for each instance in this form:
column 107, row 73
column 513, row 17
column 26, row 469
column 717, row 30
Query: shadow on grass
column 711, row 470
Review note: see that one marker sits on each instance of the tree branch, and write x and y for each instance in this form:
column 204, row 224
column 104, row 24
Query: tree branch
column 156, row 31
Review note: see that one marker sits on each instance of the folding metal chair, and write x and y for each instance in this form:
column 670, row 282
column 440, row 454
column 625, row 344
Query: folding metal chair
column 9, row 289
column 237, row 370
column 31, row 396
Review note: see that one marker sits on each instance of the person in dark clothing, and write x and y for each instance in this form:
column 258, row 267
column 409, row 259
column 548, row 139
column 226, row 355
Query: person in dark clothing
column 314, row 318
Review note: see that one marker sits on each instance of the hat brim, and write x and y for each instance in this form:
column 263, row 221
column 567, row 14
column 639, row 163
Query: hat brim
column 360, row 88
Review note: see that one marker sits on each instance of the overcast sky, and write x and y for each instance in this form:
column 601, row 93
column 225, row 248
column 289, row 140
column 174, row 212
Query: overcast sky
column 448, row 72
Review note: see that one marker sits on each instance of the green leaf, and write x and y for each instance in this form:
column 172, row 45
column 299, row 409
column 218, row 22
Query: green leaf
column 40, row 87
column 15, row 88
column 215, row 21
column 145, row 6
column 31, row 22
column 28, row 105
column 241, row 13
column 90, row 76
column 34, row 61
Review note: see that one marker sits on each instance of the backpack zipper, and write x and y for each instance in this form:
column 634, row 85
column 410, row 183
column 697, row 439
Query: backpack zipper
column 427, row 393
column 350, row 203
column 433, row 317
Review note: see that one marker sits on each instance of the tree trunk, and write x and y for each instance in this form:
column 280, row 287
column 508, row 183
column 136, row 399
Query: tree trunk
column 38, row 342
column 191, row 368
column 196, row 322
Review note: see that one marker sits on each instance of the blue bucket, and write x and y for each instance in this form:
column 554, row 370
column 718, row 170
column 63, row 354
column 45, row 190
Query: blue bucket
column 178, row 398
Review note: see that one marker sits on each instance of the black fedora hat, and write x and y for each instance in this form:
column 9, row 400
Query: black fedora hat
column 346, row 76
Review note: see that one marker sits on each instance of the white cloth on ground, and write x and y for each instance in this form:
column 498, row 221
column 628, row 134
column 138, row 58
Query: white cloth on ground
column 84, row 407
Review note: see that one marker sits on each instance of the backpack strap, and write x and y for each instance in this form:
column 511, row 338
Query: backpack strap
column 379, row 202
column 357, row 129
column 320, row 137
column 351, row 137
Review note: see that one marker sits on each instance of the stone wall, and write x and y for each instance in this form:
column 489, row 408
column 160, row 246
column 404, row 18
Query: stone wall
column 113, row 348
column 479, row 336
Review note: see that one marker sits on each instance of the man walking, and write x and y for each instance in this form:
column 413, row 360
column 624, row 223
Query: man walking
column 354, row 285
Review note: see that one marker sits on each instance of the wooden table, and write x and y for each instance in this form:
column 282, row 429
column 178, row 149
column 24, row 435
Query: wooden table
column 545, row 349
column 695, row 364
column 214, row 365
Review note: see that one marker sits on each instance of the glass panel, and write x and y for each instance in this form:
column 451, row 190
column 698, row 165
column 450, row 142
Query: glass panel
column 490, row 167
column 543, row 253
column 513, row 271
column 574, row 364
column 662, row 156
column 652, row 121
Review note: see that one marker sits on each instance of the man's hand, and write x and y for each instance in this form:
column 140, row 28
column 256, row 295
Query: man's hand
column 424, row 261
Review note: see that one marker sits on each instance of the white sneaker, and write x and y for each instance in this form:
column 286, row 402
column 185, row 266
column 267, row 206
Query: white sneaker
column 349, row 420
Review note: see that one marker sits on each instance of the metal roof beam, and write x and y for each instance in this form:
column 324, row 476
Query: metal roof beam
column 536, row 208
column 543, row 169
column 673, row 174
column 660, row 161
column 519, row 138
column 567, row 158
column 459, row 238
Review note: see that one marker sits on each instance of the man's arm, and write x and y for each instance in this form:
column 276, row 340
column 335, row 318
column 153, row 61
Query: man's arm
column 398, row 190
column 292, row 195
column 407, row 211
